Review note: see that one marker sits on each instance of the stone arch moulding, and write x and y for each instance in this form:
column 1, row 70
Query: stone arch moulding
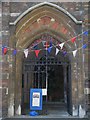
column 23, row 22
column 50, row 4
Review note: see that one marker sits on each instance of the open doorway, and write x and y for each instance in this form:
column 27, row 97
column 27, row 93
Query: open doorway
column 56, row 84
column 55, row 103
column 58, row 97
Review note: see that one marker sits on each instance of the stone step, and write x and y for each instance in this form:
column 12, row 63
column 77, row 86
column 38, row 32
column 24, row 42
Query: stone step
column 38, row 118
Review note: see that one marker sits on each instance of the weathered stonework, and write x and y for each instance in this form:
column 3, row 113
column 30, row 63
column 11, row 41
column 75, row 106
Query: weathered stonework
column 0, row 61
column 23, row 33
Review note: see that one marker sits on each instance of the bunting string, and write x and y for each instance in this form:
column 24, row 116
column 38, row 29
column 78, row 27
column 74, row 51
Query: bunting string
column 47, row 46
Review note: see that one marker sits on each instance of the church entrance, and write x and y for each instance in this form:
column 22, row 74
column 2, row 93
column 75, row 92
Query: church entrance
column 48, row 72
column 54, row 68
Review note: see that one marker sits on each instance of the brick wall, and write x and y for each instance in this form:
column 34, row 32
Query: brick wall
column 11, row 11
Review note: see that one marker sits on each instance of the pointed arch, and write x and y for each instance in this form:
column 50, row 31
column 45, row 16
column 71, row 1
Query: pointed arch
column 48, row 4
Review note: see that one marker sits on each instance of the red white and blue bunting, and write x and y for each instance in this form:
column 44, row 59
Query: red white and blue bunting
column 48, row 46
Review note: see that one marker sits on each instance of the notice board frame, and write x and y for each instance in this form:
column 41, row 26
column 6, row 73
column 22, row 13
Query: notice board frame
column 38, row 91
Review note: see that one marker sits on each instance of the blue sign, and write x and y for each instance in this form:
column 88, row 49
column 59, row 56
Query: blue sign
column 35, row 99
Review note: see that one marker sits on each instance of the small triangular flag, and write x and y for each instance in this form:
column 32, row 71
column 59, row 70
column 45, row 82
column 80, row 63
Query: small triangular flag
column 73, row 39
column 84, row 46
column 74, row 53
column 14, row 52
column 85, row 33
column 35, row 47
column 37, row 52
column 61, row 45
column 50, row 43
column 26, row 52
column 49, row 49
column 64, row 53
column 57, row 50
column 4, row 50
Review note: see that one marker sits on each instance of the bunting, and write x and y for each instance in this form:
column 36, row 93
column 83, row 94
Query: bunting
column 26, row 52
column 4, row 50
column 73, row 39
column 14, row 52
column 61, row 45
column 35, row 47
column 50, row 43
column 57, row 51
column 74, row 53
column 64, row 53
column 85, row 33
column 49, row 49
column 37, row 52
column 84, row 46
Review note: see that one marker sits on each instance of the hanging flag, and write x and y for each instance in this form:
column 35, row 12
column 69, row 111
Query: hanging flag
column 84, row 46
column 57, row 50
column 50, row 43
column 64, row 53
column 37, row 52
column 74, row 53
column 14, row 52
column 85, row 33
column 35, row 47
column 73, row 39
column 61, row 45
column 49, row 49
column 4, row 50
column 26, row 52
column 43, row 42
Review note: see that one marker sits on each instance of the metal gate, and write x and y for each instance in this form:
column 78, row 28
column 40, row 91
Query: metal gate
column 36, row 75
column 37, row 70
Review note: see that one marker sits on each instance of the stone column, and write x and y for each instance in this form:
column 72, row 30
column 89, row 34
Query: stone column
column 74, row 80
column 0, row 61
column 12, row 73
column 18, row 84
column 11, row 95
column 5, row 63
column 81, row 82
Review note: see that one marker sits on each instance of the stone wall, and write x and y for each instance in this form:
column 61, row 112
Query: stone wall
column 10, row 12
column 0, row 61
column 5, row 63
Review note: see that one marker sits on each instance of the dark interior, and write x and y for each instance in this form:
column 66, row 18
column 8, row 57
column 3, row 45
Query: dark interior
column 55, row 84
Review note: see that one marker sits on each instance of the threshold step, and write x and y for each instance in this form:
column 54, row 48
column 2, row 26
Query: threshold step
column 24, row 117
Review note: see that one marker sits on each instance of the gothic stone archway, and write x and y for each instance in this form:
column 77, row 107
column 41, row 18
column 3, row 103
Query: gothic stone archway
column 47, row 18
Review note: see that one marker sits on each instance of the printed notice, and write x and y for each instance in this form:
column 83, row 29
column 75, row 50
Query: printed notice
column 36, row 99
column 44, row 92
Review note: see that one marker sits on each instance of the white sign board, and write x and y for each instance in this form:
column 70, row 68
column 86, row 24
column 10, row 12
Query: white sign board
column 36, row 99
column 44, row 92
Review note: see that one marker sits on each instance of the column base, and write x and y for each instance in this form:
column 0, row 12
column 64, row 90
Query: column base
column 11, row 111
column 82, row 112
column 18, row 111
